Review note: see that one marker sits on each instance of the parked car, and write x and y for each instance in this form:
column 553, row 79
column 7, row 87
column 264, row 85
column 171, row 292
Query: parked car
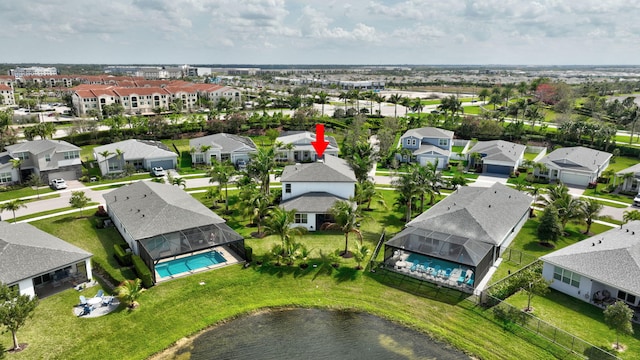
column 241, row 164
column 636, row 200
column 158, row 171
column 58, row 184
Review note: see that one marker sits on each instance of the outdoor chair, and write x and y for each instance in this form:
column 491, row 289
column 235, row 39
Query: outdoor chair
column 447, row 273
column 83, row 300
column 415, row 266
column 436, row 271
column 463, row 275
column 100, row 293
column 107, row 300
column 470, row 281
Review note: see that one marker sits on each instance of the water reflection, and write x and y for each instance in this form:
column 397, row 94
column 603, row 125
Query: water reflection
column 316, row 334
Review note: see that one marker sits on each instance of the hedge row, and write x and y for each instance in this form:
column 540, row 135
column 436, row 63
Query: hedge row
column 143, row 271
column 514, row 283
column 124, row 258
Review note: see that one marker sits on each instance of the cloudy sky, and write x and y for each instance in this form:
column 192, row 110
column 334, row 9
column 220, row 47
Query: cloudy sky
column 321, row 31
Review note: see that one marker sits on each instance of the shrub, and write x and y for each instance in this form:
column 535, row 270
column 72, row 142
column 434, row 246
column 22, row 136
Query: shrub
column 124, row 257
column 248, row 253
column 142, row 270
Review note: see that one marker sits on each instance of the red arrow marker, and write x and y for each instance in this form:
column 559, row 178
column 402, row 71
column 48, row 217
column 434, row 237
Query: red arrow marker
column 320, row 144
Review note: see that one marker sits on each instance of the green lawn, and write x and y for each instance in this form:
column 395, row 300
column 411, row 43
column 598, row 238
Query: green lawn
column 579, row 318
column 23, row 192
column 622, row 162
column 598, row 192
column 456, row 149
column 530, row 155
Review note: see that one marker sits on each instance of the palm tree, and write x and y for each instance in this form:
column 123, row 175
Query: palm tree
column 129, row 292
column 395, row 99
column 105, row 154
column 179, row 181
column 568, row 208
column 361, row 161
column 36, row 182
column 534, row 114
column 427, row 179
column 407, row 187
column 483, row 94
column 212, row 193
column 590, row 208
column 416, row 105
column 365, row 192
column 346, row 214
column 260, row 166
column 360, row 254
column 120, row 157
column 380, row 99
column 630, row 215
column 322, row 99
column 280, row 222
column 17, row 164
column 221, row 172
column 344, row 96
column 13, row 206
column 406, row 102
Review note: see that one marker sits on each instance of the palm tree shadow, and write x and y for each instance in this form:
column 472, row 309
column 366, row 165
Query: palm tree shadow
column 346, row 274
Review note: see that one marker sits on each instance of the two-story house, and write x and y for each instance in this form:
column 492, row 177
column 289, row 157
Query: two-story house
column 296, row 147
column 221, row 147
column 311, row 189
column 49, row 159
column 427, row 145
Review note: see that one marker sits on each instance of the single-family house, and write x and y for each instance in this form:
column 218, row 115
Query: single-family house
column 312, row 188
column 141, row 154
column 456, row 241
column 49, row 159
column 296, row 147
column 497, row 156
column 38, row 263
column 601, row 269
column 574, row 165
column 8, row 172
column 630, row 179
column 221, row 147
column 171, row 231
column 427, row 145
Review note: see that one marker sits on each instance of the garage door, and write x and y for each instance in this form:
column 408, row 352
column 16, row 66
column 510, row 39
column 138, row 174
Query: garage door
column 427, row 160
column 67, row 175
column 574, row 179
column 499, row 169
column 165, row 164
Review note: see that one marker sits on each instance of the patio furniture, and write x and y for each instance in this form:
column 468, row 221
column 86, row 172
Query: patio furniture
column 447, row 273
column 462, row 277
column 83, row 300
column 100, row 293
column 470, row 281
column 94, row 301
column 415, row 265
column 107, row 300
column 86, row 310
column 436, row 271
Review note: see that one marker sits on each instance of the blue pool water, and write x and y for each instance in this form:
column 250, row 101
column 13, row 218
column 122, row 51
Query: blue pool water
column 186, row 264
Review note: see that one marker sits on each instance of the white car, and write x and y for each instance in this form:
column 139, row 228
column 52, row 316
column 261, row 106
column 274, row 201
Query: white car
column 636, row 200
column 58, row 184
column 158, row 171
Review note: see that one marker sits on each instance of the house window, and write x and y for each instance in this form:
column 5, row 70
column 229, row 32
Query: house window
column 301, row 218
column 622, row 295
column 225, row 157
column 23, row 156
column 114, row 166
column 199, row 158
column 287, row 188
column 5, row 177
column 443, row 142
column 566, row 276
column 412, row 142
column 71, row 155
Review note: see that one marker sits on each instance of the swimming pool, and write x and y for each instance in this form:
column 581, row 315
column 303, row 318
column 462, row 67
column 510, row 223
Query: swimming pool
column 190, row 263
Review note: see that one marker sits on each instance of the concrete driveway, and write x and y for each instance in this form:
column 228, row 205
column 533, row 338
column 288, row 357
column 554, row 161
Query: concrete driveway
column 487, row 180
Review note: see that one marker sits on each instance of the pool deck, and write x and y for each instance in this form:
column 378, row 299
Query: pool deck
column 226, row 253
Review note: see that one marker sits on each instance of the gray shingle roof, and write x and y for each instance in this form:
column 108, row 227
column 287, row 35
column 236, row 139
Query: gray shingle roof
column 635, row 169
column 484, row 214
column 612, row 257
column 148, row 209
column 227, row 143
column 429, row 132
column 499, row 150
column 333, row 169
column 313, row 202
column 305, row 138
column 38, row 146
column 577, row 158
column 425, row 148
column 26, row 251
column 135, row 149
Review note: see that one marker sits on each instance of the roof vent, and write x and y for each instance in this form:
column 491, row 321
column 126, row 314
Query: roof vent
column 593, row 244
column 599, row 241
column 627, row 230
column 495, row 191
column 127, row 198
column 489, row 205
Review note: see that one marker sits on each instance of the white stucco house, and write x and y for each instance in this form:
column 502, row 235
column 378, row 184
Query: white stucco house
column 630, row 179
column 49, row 159
column 40, row 264
column 221, row 147
column 311, row 189
column 142, row 154
column 574, row 165
column 600, row 269
column 301, row 148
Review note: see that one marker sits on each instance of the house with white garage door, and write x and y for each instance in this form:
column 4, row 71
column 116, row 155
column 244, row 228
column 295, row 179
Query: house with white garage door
column 427, row 145
column 49, row 159
column 497, row 156
column 142, row 154
column 574, row 165
column 221, row 147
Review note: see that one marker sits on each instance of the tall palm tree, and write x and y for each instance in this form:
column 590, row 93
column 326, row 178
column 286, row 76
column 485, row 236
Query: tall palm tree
column 13, row 206
column 345, row 97
column 346, row 214
column 221, row 172
column 380, row 99
column 630, row 215
column 407, row 187
column 406, row 102
column 366, row 192
column 427, row 179
column 260, row 166
column 361, row 161
column 483, row 94
column 590, row 209
column 322, row 98
column 395, row 99
column 17, row 164
column 280, row 222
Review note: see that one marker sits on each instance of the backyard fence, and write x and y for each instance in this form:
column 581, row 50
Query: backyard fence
column 373, row 262
column 517, row 257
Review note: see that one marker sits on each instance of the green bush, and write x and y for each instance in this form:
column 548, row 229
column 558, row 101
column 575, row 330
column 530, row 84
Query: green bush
column 514, row 283
column 143, row 271
column 124, row 258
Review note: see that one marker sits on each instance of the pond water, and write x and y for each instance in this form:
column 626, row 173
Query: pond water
column 316, row 334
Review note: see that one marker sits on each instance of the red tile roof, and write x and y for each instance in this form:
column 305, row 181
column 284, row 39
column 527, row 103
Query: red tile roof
column 5, row 87
column 140, row 91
